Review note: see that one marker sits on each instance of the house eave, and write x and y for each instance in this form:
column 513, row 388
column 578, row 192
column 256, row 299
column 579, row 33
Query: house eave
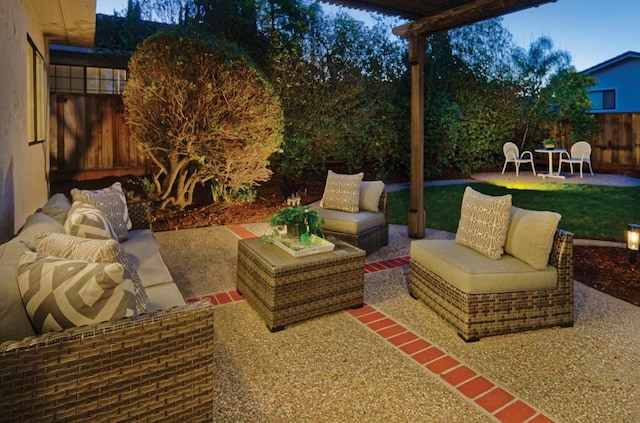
column 69, row 22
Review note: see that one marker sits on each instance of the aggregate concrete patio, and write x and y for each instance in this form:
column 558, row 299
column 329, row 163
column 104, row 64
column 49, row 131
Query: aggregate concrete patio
column 395, row 360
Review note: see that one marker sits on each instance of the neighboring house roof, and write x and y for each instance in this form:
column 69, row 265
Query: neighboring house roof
column 71, row 22
column 612, row 61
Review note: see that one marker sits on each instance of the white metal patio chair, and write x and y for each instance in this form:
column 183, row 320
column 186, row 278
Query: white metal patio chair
column 512, row 155
column 580, row 153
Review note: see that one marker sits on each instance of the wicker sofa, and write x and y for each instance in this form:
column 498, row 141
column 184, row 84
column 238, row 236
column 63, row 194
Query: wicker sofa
column 156, row 366
column 366, row 229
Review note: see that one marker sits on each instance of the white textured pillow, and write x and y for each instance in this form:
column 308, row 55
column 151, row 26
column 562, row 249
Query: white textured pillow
column 530, row 236
column 60, row 294
column 342, row 192
column 95, row 251
column 112, row 203
column 370, row 192
column 484, row 220
column 87, row 221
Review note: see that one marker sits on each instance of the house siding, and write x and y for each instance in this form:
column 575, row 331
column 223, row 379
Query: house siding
column 624, row 78
column 23, row 167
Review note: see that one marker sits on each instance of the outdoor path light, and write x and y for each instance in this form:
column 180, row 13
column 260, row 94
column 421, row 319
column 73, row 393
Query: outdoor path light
column 633, row 241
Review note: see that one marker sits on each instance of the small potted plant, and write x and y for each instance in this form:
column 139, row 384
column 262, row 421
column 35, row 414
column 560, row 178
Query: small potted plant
column 298, row 220
column 549, row 143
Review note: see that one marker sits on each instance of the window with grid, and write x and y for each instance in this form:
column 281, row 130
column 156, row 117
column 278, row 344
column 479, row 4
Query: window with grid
column 603, row 99
column 86, row 79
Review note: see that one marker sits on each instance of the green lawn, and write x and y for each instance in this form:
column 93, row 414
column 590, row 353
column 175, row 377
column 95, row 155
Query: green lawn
column 589, row 211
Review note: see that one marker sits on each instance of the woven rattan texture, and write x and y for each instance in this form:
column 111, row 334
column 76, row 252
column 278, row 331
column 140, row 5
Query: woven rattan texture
column 478, row 315
column 371, row 239
column 140, row 214
column 156, row 367
column 303, row 288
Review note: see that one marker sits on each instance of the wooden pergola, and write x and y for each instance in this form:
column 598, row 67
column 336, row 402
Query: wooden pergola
column 428, row 17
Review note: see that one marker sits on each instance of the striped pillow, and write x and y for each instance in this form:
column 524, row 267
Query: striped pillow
column 95, row 251
column 112, row 203
column 88, row 222
column 60, row 294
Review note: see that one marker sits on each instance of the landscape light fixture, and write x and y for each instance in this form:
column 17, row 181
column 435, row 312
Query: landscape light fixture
column 633, row 241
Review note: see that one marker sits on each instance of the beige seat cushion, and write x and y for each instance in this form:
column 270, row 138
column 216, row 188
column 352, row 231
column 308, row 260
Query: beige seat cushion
column 483, row 224
column 164, row 296
column 348, row 223
column 143, row 253
column 475, row 273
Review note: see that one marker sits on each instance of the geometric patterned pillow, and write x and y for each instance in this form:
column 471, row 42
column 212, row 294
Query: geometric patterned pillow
column 60, row 294
column 94, row 251
column 112, row 203
column 88, row 222
column 342, row 192
column 484, row 221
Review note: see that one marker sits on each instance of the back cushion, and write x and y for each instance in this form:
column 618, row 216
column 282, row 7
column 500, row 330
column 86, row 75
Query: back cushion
column 370, row 192
column 484, row 220
column 15, row 324
column 530, row 236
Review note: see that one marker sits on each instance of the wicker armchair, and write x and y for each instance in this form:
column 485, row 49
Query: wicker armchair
column 152, row 367
column 478, row 315
column 371, row 239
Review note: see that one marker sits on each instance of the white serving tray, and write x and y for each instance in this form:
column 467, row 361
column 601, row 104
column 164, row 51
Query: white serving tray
column 318, row 245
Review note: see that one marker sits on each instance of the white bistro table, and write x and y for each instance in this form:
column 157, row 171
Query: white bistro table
column 550, row 152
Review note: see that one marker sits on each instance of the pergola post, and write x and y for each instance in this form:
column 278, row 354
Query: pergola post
column 416, row 219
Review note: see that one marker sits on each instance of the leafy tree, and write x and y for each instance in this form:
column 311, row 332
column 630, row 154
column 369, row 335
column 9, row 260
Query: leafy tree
column 201, row 113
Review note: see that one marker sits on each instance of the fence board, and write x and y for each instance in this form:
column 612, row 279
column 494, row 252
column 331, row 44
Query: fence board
column 618, row 141
column 88, row 134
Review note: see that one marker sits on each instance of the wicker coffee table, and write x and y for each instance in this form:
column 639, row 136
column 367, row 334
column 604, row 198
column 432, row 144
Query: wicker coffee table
column 286, row 289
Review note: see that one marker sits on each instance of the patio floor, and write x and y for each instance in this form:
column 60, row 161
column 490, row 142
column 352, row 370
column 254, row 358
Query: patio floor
column 395, row 360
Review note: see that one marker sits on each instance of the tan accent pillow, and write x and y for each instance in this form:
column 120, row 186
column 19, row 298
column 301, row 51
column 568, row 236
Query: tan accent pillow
column 95, row 251
column 370, row 192
column 60, row 294
column 530, row 236
column 484, row 221
column 87, row 221
column 112, row 202
column 342, row 192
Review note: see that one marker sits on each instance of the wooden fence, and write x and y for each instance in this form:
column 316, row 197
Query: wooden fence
column 89, row 138
column 618, row 141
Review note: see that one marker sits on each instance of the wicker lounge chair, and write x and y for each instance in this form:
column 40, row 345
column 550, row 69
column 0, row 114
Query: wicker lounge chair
column 478, row 315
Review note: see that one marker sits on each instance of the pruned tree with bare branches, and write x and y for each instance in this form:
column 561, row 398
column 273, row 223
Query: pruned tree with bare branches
column 201, row 113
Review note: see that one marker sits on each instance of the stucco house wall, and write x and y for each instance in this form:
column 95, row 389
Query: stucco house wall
column 24, row 168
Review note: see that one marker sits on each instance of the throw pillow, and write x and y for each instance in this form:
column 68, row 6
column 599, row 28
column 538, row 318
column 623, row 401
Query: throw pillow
column 57, row 207
column 89, row 222
column 370, row 192
column 530, row 236
column 60, row 294
column 95, row 251
column 112, row 203
column 342, row 192
column 484, row 220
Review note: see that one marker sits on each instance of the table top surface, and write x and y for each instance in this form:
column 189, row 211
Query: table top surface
column 550, row 150
column 277, row 257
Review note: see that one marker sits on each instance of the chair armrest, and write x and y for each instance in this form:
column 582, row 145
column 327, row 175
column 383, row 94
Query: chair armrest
column 382, row 203
column 140, row 214
column 561, row 258
column 524, row 153
column 157, row 366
